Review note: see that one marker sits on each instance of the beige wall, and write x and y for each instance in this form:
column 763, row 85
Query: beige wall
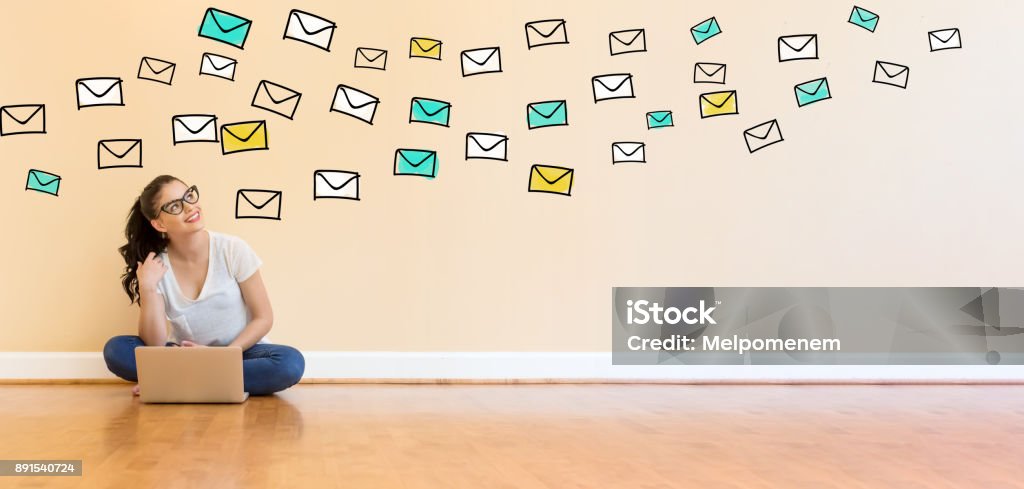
column 878, row 186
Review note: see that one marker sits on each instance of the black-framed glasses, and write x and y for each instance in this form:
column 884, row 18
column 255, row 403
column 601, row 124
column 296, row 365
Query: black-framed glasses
column 175, row 206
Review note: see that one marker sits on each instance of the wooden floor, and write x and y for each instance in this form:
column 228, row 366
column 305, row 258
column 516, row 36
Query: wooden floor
column 526, row 436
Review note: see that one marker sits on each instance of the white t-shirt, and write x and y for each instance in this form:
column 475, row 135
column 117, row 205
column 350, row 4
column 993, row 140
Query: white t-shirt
column 219, row 314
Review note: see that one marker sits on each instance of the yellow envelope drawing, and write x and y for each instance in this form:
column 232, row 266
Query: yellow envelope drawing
column 22, row 119
column 252, row 203
column 119, row 153
column 156, row 70
column 422, row 47
column 551, row 179
column 243, row 136
column 275, row 98
column 718, row 103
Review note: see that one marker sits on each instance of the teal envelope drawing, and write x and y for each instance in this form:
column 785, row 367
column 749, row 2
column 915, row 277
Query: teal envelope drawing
column 419, row 162
column 429, row 111
column 546, row 114
column 705, row 30
column 864, row 18
column 44, row 182
column 661, row 118
column 225, row 27
column 812, row 91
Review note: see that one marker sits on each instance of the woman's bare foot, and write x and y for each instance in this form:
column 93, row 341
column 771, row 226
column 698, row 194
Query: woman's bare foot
column 135, row 390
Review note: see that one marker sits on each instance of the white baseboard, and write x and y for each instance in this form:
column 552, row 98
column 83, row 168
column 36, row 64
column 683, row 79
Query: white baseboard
column 526, row 366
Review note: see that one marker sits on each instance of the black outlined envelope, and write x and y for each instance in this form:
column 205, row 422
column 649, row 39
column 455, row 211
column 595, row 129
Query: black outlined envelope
column 629, row 152
column 709, row 73
column 627, row 41
column 546, row 33
column 480, row 61
column 275, row 98
column 219, row 66
column 98, row 92
column 157, row 70
column 335, row 184
column 119, row 153
column 253, row 203
column 22, row 119
column 375, row 59
column 486, row 146
column 944, row 39
column 891, row 74
column 424, row 47
column 355, row 103
column 310, row 29
column 194, row 128
column 763, row 135
column 797, row 47
column 613, row 86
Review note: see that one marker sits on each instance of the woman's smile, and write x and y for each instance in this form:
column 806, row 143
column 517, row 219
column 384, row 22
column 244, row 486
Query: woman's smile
column 193, row 217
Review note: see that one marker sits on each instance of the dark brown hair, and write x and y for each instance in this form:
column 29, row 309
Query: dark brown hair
column 142, row 237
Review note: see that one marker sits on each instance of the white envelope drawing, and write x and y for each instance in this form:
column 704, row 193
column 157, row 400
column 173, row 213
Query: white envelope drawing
column 355, row 103
column 376, row 59
column 335, row 184
column 944, row 39
column 629, row 152
column 763, row 135
column 96, row 92
column 627, row 41
column 709, row 73
column 219, row 66
column 194, row 128
column 803, row 46
column 618, row 85
column 486, row 146
column 251, row 203
column 480, row 61
column 546, row 32
column 310, row 29
column 891, row 74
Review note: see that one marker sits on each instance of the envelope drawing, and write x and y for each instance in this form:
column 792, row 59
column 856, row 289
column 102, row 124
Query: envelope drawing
column 944, row 39
column 658, row 119
column 253, row 203
column 429, row 111
column 422, row 47
column 813, row 91
column 41, row 181
column 243, row 136
column 219, row 66
column 608, row 87
column 709, row 73
column 97, row 92
column 865, row 18
column 119, row 153
column 22, row 119
column 802, row 46
column 551, row 179
column 355, row 103
column 480, row 61
column 275, row 98
column 627, row 41
column 157, row 70
column 891, row 74
column 486, row 146
column 225, row 27
column 310, row 29
column 714, row 104
column 546, row 114
column 376, row 59
column 416, row 162
column 629, row 152
column 705, row 30
column 762, row 135
column 546, row 33
column 194, row 128
column 335, row 184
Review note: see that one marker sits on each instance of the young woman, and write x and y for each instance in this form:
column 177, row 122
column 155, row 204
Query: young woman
column 207, row 284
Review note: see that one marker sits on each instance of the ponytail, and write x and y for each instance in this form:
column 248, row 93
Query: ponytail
column 142, row 237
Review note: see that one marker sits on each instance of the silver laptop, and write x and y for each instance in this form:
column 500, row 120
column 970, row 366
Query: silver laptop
column 190, row 374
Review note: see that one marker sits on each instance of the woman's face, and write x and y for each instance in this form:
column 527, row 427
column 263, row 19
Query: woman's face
column 189, row 220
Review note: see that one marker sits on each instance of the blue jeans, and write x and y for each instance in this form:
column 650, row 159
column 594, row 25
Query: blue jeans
column 266, row 367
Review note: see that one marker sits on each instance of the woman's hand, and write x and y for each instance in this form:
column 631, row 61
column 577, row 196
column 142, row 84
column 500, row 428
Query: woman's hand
column 189, row 343
column 150, row 272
